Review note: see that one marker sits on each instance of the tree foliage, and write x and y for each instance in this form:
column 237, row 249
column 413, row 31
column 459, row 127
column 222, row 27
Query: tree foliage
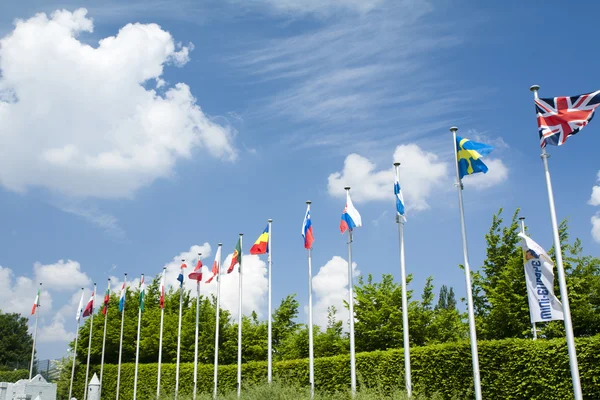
column 15, row 341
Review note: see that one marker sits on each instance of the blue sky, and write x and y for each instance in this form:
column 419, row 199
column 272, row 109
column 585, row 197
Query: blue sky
column 123, row 156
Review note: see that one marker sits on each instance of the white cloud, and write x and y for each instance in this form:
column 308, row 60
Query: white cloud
column 78, row 120
column 330, row 287
column 595, row 201
column 420, row 174
column 254, row 286
column 497, row 173
column 55, row 331
column 17, row 293
column 595, row 197
column 61, row 275
column 596, row 228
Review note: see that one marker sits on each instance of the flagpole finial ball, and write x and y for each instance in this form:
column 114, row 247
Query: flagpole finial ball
column 269, row 220
column 453, row 129
column 534, row 88
column 521, row 218
column 241, row 234
column 199, row 254
column 308, row 202
column 347, row 188
column 396, row 164
column 220, row 244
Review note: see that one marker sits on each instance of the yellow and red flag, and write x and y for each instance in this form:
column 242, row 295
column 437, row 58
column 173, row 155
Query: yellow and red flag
column 261, row 246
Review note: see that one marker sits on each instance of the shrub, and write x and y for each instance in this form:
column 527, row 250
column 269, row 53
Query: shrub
column 510, row 369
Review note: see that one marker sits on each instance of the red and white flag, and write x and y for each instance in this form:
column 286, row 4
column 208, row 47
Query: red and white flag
column 36, row 302
column 197, row 273
column 89, row 308
column 216, row 265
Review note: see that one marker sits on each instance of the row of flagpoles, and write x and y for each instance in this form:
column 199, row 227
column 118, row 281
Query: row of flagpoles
column 558, row 118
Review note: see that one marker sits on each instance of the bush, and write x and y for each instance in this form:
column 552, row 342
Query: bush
column 510, row 369
column 13, row 376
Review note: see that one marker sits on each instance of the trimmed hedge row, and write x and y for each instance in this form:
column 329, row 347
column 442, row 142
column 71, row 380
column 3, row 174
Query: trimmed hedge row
column 510, row 369
column 13, row 376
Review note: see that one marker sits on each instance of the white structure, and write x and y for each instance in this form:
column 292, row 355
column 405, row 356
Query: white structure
column 34, row 389
column 94, row 389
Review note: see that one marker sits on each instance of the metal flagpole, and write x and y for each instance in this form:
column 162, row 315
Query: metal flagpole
column 160, row 340
column 351, row 310
column 104, row 342
column 74, row 353
column 216, row 377
column 137, row 344
column 533, row 328
column 239, row 369
column 121, row 337
column 179, row 334
column 196, row 342
column 37, row 312
column 400, row 222
column 471, row 312
column 561, row 275
column 87, row 366
column 311, row 355
column 270, row 338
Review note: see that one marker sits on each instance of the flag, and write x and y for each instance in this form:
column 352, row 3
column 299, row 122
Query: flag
column 79, row 308
column 36, row 302
column 197, row 273
column 539, row 275
column 261, row 246
column 350, row 217
column 89, row 308
column 142, row 293
column 122, row 299
column 106, row 299
column 216, row 266
column 180, row 276
column 469, row 155
column 307, row 232
column 236, row 259
column 162, row 289
column 399, row 197
column 559, row 118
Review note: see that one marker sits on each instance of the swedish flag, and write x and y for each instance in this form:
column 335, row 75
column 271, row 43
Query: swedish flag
column 469, row 155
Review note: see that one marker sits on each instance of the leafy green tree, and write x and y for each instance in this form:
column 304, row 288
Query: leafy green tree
column 420, row 315
column 378, row 311
column 332, row 342
column 500, row 293
column 284, row 324
column 15, row 341
column 447, row 325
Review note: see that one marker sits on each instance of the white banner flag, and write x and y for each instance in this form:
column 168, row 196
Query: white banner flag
column 539, row 274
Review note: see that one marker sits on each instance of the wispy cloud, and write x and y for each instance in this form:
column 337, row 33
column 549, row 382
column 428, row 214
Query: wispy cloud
column 377, row 72
column 107, row 222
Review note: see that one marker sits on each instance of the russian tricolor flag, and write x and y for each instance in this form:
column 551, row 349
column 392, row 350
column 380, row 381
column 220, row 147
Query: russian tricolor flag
column 350, row 217
column 307, row 232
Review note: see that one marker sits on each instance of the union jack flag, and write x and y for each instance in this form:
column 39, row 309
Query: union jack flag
column 561, row 117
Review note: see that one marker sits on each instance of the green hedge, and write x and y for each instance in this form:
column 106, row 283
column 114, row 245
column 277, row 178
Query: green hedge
column 510, row 369
column 13, row 376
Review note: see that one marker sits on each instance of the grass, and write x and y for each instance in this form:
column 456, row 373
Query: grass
column 281, row 391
